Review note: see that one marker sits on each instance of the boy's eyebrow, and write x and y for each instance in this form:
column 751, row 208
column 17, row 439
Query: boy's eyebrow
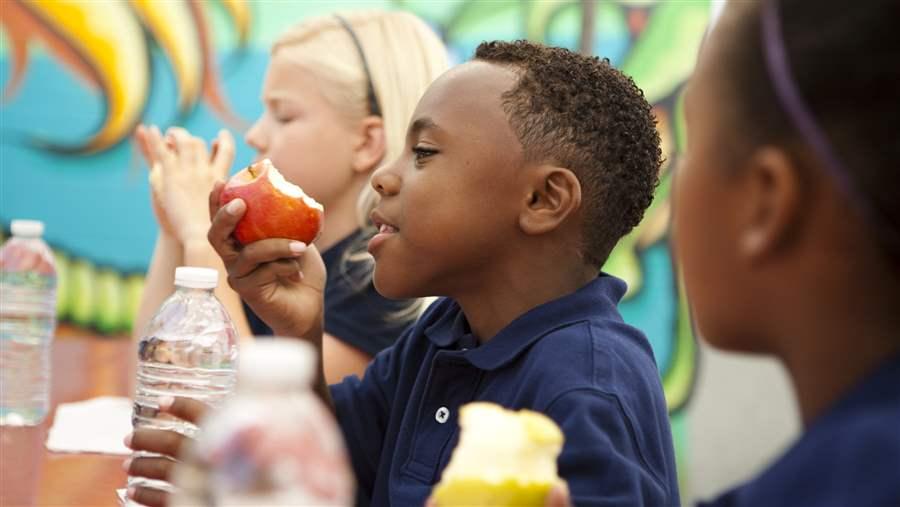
column 420, row 124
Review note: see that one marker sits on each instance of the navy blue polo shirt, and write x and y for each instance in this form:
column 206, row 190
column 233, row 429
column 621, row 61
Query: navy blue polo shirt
column 849, row 456
column 573, row 359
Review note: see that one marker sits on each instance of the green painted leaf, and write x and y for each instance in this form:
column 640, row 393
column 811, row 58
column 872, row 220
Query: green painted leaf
column 110, row 309
column 82, row 293
column 679, row 380
column 63, row 298
column 664, row 55
column 501, row 19
column 134, row 288
column 541, row 13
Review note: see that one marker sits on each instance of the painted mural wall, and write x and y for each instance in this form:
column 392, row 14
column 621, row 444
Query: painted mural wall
column 78, row 76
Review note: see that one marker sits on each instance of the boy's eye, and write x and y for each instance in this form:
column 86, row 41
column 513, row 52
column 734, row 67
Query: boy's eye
column 421, row 153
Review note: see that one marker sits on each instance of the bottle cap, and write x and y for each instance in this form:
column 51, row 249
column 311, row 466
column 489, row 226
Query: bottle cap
column 276, row 363
column 27, row 228
column 196, row 278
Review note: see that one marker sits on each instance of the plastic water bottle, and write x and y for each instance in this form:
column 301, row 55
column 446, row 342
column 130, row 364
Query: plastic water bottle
column 273, row 443
column 27, row 323
column 189, row 350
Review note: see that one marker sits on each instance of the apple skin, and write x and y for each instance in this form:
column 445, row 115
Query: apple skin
column 271, row 213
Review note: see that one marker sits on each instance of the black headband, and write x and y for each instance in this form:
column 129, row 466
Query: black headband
column 374, row 108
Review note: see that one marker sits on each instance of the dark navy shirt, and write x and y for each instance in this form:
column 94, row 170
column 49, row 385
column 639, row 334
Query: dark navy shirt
column 573, row 359
column 355, row 312
column 849, row 456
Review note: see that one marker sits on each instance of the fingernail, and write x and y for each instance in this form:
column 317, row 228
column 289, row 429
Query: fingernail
column 297, row 247
column 130, row 492
column 165, row 402
column 126, row 465
column 235, row 206
column 128, row 440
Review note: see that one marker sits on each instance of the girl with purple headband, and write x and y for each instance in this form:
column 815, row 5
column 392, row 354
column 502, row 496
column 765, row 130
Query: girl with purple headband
column 787, row 228
column 786, row 224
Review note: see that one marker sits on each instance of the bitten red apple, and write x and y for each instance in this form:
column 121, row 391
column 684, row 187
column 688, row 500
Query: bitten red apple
column 276, row 208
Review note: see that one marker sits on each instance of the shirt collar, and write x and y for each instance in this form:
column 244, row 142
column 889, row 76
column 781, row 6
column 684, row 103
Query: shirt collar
column 598, row 297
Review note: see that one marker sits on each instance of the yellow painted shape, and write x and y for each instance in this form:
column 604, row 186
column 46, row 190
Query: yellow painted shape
column 108, row 37
column 175, row 30
column 239, row 11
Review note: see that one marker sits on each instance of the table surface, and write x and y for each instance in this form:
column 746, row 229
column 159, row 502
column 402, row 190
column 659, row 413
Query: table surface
column 83, row 368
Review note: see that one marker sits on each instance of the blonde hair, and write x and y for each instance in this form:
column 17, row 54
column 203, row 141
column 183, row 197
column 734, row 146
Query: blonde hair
column 404, row 56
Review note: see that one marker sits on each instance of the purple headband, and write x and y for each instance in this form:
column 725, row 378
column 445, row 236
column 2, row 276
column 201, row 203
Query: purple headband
column 779, row 69
column 798, row 112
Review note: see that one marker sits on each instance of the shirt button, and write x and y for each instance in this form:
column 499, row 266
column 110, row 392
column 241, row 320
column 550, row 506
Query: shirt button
column 442, row 415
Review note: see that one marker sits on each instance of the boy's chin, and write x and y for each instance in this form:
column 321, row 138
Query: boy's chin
column 391, row 288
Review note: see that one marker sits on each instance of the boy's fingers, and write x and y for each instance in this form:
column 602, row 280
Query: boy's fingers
column 265, row 273
column 256, row 255
column 214, row 198
column 183, row 408
column 559, row 496
column 165, row 442
column 150, row 467
column 149, row 497
column 224, row 220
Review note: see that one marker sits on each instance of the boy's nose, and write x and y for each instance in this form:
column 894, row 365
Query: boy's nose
column 386, row 182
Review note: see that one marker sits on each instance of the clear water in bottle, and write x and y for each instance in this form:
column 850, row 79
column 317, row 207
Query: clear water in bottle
column 189, row 350
column 27, row 323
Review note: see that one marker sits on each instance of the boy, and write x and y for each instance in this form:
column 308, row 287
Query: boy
column 522, row 170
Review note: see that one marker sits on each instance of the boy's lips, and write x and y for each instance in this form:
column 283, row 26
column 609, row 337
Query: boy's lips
column 385, row 230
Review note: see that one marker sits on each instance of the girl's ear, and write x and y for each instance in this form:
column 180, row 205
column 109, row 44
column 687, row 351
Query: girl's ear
column 772, row 204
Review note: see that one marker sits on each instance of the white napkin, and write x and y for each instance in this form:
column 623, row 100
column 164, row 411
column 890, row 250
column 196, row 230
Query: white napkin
column 98, row 425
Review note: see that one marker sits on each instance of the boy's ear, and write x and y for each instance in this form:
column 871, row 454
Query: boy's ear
column 371, row 145
column 554, row 195
column 772, row 207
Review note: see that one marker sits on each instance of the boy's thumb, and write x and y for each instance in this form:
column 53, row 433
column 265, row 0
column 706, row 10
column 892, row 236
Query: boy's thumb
column 183, row 408
column 559, row 496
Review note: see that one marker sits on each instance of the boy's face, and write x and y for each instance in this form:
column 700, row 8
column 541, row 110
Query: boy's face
column 452, row 198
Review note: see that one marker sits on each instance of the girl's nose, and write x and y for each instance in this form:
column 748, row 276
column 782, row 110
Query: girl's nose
column 255, row 138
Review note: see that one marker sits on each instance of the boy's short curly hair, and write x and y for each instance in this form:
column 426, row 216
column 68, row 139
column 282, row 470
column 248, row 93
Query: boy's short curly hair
column 581, row 113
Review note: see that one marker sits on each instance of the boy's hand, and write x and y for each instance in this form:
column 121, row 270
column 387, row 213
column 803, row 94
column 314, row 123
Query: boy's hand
column 559, row 496
column 167, row 443
column 283, row 281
